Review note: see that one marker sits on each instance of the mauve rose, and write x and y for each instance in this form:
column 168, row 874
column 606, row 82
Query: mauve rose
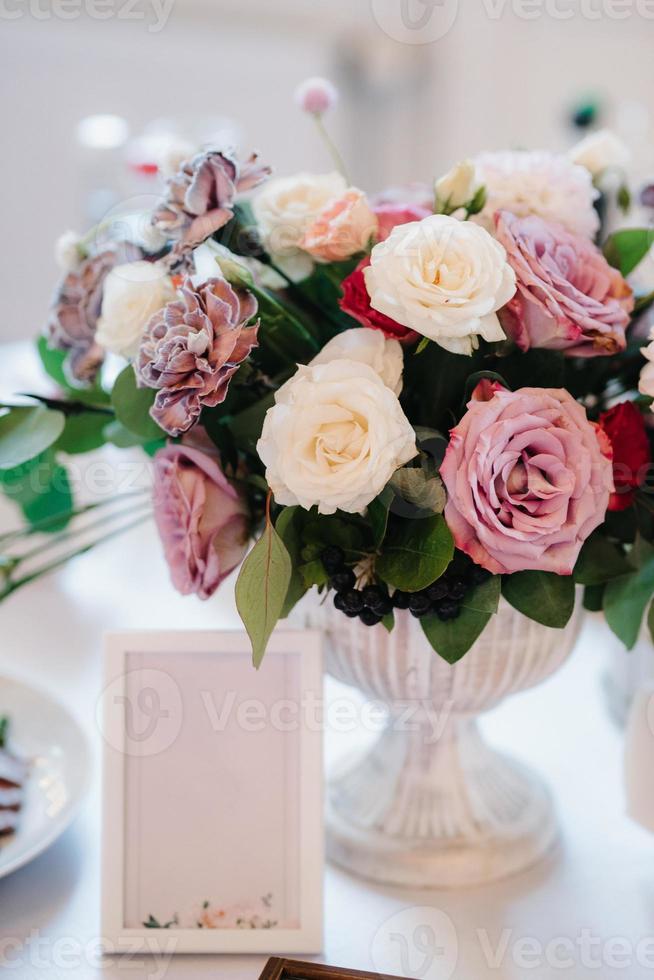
column 76, row 309
column 203, row 521
column 568, row 298
column 199, row 198
column 625, row 427
column 192, row 347
column 527, row 479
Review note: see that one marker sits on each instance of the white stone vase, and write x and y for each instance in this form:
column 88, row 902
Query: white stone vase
column 451, row 811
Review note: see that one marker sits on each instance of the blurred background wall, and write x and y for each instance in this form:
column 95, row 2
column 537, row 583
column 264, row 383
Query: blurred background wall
column 423, row 83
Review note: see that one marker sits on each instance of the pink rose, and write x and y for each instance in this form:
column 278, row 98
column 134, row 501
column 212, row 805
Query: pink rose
column 568, row 298
column 390, row 215
column 528, row 479
column 342, row 229
column 202, row 519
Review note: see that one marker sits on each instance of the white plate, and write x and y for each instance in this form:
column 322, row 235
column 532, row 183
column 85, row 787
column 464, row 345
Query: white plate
column 43, row 732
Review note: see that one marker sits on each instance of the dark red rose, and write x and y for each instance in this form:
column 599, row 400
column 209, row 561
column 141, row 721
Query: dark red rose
column 625, row 427
column 355, row 301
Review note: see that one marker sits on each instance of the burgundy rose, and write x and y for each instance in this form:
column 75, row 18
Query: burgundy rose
column 625, row 427
column 199, row 198
column 203, row 521
column 76, row 308
column 568, row 298
column 355, row 301
column 192, row 347
column 390, row 215
column 528, row 479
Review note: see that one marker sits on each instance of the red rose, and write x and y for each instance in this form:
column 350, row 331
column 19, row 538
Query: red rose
column 355, row 301
column 625, row 428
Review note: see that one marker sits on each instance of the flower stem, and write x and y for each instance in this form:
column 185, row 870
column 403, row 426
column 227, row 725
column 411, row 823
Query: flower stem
column 331, row 146
column 42, row 526
column 63, row 559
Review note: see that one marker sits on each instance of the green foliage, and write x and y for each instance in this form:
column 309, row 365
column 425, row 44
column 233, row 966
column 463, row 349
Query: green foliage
column 416, row 553
column 547, row 598
column 600, row 561
column 53, row 364
column 26, row 432
column 289, row 529
column 453, row 638
column 83, row 432
column 261, row 589
column 625, row 249
column 627, row 597
column 132, row 406
column 593, row 598
column 41, row 488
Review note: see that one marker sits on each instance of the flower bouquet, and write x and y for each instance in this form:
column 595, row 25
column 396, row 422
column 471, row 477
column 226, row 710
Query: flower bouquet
column 420, row 400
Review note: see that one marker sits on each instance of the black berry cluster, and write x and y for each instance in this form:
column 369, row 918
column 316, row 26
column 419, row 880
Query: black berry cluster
column 370, row 605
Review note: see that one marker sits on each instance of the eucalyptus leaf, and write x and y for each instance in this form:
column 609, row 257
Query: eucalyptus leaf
column 626, row 248
column 599, row 561
column 261, row 589
column 546, row 598
column 420, row 488
column 26, row 432
column 289, row 529
column 132, row 406
column 83, row 432
column 650, row 620
column 452, row 639
column 378, row 516
column 416, row 553
column 41, row 488
column 625, row 601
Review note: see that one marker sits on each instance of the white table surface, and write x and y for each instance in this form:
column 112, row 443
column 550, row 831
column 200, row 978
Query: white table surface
column 592, row 901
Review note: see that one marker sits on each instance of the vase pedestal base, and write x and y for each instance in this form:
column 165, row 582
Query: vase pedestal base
column 450, row 814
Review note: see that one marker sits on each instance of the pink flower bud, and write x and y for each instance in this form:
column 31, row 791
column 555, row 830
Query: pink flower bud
column 316, row 95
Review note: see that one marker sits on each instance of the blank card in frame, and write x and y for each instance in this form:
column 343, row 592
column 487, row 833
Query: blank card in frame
column 212, row 832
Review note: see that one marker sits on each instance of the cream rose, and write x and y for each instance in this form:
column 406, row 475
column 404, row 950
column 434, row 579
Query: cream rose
column 286, row 207
column 456, row 188
column 131, row 294
column 600, row 151
column 342, row 229
column 369, row 347
column 334, row 437
column 443, row 278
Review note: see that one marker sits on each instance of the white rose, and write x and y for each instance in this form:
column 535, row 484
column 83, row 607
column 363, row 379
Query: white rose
column 131, row 294
column 334, row 437
column 536, row 182
column 457, row 187
column 284, row 209
column 443, row 278
column 369, row 347
column 68, row 253
column 599, row 151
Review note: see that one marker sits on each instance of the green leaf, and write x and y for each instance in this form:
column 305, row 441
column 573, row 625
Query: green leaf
column 625, row 249
column 83, row 432
column 261, row 589
column 623, row 198
column 547, row 598
column 420, row 487
column 416, row 553
column 378, row 516
column 625, row 601
column 41, row 488
column 478, row 203
column 4, row 730
column 132, row 406
column 388, row 622
column 289, row 529
column 26, row 432
column 247, row 425
column 599, row 561
column 453, row 638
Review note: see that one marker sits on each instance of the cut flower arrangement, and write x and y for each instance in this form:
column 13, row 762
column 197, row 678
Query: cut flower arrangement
column 415, row 402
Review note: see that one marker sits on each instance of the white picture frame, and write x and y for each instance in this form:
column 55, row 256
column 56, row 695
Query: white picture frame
column 254, row 782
